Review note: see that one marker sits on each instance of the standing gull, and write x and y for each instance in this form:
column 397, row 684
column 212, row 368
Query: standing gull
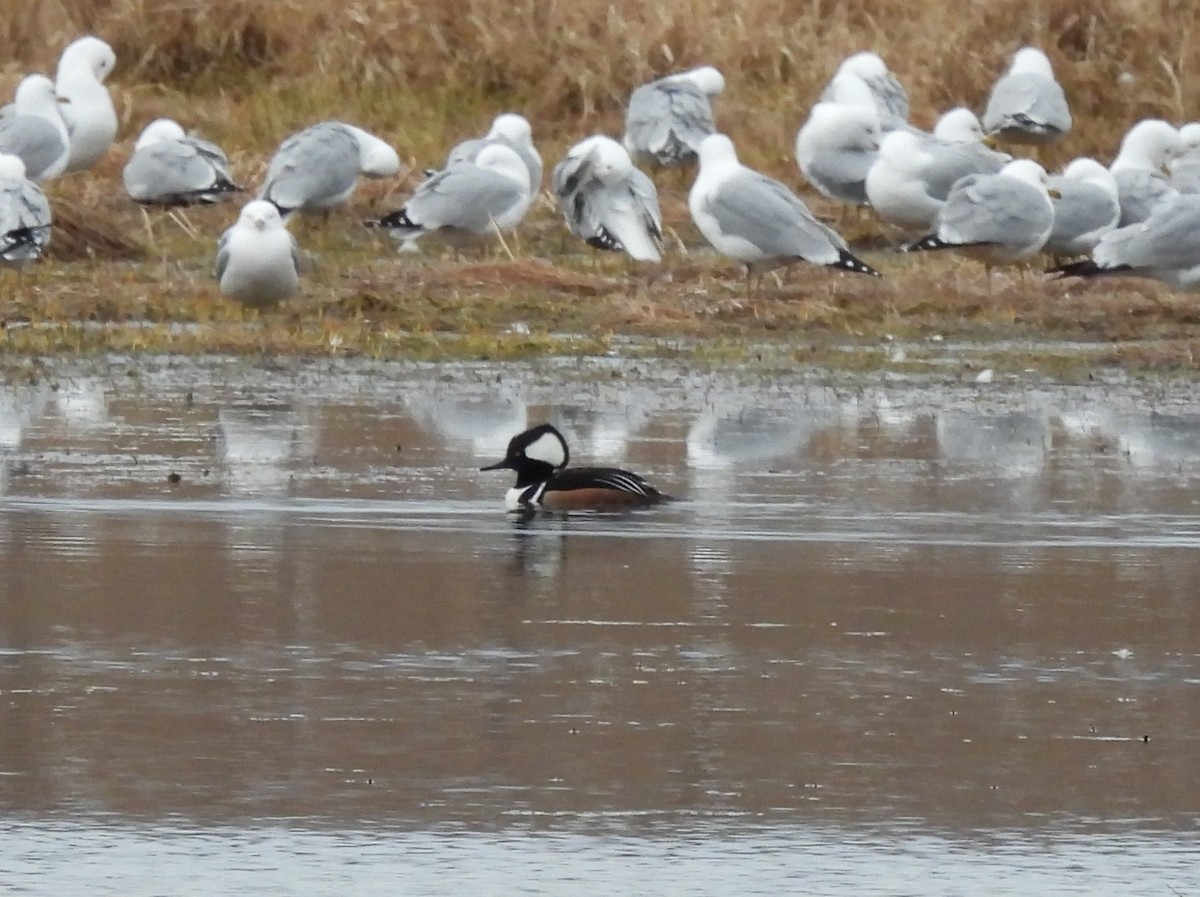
column 888, row 94
column 258, row 262
column 1166, row 247
column 909, row 182
column 24, row 214
column 318, row 168
column 1027, row 105
column 515, row 132
column 667, row 119
column 466, row 203
column 997, row 219
column 757, row 220
column 33, row 130
column 86, row 106
column 1086, row 208
column 171, row 168
column 1185, row 167
column 607, row 202
column 1142, row 184
column 836, row 148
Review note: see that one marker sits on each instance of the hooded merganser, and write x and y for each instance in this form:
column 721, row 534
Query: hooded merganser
column 539, row 456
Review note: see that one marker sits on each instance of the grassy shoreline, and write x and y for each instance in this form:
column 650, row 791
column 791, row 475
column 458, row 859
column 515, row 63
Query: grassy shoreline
column 426, row 75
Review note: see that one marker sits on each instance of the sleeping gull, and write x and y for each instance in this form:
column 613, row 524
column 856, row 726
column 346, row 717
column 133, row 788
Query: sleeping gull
column 909, row 182
column 836, row 148
column 171, row 168
column 888, row 94
column 1027, row 104
column 1185, row 167
column 85, row 105
column 1166, row 247
column 1139, row 168
column 318, row 168
column 667, row 119
column 466, row 203
column 24, row 214
column 998, row 219
column 606, row 201
column 33, row 129
column 515, row 132
column 258, row 262
column 1085, row 209
column 757, row 220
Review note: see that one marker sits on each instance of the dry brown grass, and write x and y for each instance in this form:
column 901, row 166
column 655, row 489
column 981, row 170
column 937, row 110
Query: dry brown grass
column 425, row 73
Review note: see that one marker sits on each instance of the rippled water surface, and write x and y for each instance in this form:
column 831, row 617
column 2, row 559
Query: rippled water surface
column 894, row 637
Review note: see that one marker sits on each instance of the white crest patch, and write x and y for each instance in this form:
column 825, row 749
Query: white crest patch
column 547, row 448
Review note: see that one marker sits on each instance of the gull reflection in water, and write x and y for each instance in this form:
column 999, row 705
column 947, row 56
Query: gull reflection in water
column 261, row 447
column 82, row 403
column 482, row 426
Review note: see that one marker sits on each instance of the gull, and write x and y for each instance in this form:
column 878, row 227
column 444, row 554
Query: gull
column 606, row 201
column 24, row 214
column 888, row 94
column 757, row 220
column 998, row 219
column 466, row 203
column 512, row 130
column 837, row 146
column 1185, row 166
column 909, row 182
column 667, row 119
column 85, row 104
column 1027, row 105
column 258, row 261
column 1166, row 247
column 171, row 168
column 1086, row 208
column 1141, row 183
column 33, row 129
column 318, row 168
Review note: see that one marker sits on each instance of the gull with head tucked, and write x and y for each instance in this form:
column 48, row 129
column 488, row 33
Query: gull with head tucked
column 667, row 119
column 85, row 104
column 606, row 201
column 1027, row 104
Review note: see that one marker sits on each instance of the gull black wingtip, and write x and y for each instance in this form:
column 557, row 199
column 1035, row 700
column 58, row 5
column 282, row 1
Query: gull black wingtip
column 927, row 243
column 1084, row 268
column 847, row 261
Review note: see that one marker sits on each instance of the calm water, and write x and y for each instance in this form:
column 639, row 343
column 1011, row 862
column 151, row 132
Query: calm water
column 896, row 637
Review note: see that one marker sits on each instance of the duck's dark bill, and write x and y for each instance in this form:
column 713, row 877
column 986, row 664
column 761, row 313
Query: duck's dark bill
column 499, row 465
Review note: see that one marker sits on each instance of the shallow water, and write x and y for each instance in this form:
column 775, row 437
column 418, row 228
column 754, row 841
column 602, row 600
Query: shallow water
column 895, row 637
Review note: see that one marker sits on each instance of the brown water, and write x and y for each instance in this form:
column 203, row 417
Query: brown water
column 895, row 638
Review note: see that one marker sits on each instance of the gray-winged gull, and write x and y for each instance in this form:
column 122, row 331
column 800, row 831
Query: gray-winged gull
column 258, row 261
column 667, row 119
column 32, row 129
column 997, row 219
column 467, row 203
column 837, row 146
column 172, row 168
column 85, row 104
column 1027, row 104
column 889, row 96
column 1085, row 209
column 757, row 220
column 1139, row 168
column 1166, row 247
column 24, row 214
column 608, row 202
column 514, row 131
column 318, row 167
